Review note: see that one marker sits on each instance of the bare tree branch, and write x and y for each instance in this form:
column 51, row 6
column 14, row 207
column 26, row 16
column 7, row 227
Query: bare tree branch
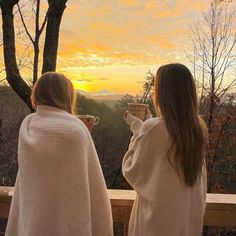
column 17, row 10
column 221, row 94
column 213, row 44
column 24, row 24
column 44, row 22
column 202, row 86
column 38, row 31
column 223, row 126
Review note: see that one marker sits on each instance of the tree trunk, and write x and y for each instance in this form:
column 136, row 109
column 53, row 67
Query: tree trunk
column 36, row 59
column 1, row 135
column 212, row 101
column 210, row 132
column 36, row 43
column 56, row 9
column 12, row 72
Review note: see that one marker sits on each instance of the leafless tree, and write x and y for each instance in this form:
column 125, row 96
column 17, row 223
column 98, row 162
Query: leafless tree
column 38, row 32
column 213, row 58
column 214, row 41
column 52, row 22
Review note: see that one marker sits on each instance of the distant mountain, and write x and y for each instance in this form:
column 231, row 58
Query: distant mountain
column 101, row 95
column 104, row 92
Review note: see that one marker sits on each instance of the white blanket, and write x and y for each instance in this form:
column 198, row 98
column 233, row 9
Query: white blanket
column 60, row 189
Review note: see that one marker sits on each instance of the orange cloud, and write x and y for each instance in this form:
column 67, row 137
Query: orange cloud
column 150, row 5
column 103, row 58
column 102, row 11
column 161, row 41
column 168, row 13
column 106, row 28
column 129, row 2
column 100, row 47
column 165, row 9
column 70, row 51
column 177, row 8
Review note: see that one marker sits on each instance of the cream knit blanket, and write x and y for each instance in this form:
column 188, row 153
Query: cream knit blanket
column 60, row 189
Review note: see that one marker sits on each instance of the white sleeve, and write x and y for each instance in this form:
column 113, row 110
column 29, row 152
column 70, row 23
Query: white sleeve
column 132, row 161
column 138, row 160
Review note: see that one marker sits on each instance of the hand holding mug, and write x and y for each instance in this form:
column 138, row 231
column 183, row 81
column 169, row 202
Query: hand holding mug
column 139, row 110
column 89, row 120
column 148, row 114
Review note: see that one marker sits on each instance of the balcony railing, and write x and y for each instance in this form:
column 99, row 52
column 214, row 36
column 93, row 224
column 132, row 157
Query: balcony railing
column 220, row 209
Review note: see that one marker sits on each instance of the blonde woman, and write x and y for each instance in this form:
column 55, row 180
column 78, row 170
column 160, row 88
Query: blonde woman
column 60, row 189
column 165, row 160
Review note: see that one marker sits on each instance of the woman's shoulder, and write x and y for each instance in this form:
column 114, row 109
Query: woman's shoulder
column 152, row 123
column 155, row 132
column 27, row 118
column 55, row 123
column 67, row 123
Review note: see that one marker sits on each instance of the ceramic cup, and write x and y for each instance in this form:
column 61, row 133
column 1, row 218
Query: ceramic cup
column 88, row 118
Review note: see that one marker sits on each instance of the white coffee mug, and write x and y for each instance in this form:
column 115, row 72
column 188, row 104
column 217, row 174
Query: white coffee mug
column 88, row 118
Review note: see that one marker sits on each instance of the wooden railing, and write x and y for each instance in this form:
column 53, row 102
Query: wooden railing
column 220, row 209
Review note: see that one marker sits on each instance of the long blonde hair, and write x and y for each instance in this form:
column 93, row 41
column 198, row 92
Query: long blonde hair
column 54, row 89
column 176, row 99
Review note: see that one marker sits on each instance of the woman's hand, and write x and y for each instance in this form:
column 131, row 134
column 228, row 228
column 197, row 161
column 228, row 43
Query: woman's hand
column 125, row 115
column 90, row 124
column 129, row 118
column 148, row 114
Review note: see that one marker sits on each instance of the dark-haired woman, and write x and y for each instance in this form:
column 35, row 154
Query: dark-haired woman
column 165, row 160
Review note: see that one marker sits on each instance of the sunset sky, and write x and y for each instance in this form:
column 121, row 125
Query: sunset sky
column 111, row 44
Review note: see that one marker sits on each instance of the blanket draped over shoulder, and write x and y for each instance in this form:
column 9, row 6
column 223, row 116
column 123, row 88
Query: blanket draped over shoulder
column 60, row 189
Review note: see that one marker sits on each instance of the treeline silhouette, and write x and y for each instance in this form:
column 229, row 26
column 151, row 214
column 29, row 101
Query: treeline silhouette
column 111, row 137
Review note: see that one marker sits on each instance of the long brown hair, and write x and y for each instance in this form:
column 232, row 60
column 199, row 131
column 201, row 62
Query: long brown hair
column 54, row 89
column 176, row 100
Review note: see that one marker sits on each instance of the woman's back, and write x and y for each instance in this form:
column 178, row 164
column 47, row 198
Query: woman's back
column 165, row 161
column 59, row 181
column 165, row 204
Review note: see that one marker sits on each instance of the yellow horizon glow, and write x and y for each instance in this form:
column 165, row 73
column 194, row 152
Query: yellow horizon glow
column 118, row 79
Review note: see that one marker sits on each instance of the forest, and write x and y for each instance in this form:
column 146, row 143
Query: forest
column 111, row 137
